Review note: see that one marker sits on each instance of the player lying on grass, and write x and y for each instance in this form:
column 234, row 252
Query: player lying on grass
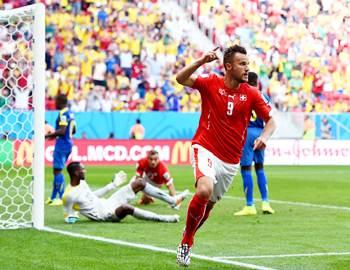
column 91, row 204
column 156, row 173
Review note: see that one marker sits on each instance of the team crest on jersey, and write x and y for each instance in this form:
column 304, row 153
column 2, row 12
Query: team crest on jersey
column 222, row 92
column 243, row 97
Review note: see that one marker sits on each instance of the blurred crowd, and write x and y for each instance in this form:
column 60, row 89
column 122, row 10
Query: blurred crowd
column 110, row 55
column 300, row 48
column 116, row 56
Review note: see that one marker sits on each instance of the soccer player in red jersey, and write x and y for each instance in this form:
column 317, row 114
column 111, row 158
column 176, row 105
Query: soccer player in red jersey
column 156, row 173
column 227, row 104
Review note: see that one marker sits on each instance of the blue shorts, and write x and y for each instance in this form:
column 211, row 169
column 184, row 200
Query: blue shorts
column 60, row 158
column 248, row 155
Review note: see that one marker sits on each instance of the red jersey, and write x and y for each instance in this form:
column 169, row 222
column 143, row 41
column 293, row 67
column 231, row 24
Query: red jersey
column 225, row 116
column 159, row 175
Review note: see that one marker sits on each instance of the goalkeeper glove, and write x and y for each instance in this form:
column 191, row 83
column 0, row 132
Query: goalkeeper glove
column 71, row 220
column 119, row 178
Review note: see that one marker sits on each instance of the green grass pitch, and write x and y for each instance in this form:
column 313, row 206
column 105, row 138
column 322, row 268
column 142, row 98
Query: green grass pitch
column 299, row 229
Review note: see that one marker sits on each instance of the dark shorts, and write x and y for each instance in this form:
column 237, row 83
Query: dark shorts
column 60, row 158
column 249, row 155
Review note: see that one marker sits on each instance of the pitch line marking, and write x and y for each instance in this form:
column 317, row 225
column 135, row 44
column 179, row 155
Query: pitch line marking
column 294, row 203
column 291, row 203
column 319, row 254
column 154, row 248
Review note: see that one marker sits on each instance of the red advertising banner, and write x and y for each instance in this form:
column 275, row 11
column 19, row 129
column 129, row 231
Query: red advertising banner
column 124, row 152
column 177, row 152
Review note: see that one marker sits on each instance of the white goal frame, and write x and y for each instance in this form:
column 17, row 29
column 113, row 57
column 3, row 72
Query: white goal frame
column 38, row 166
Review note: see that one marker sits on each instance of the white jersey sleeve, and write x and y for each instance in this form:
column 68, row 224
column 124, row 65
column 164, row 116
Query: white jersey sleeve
column 84, row 200
column 68, row 204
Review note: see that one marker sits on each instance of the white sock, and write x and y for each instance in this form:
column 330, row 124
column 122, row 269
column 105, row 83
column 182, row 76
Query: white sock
column 148, row 215
column 159, row 194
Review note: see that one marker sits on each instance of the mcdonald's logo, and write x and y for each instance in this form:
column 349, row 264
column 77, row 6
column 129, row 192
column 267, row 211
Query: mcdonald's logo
column 23, row 153
column 181, row 150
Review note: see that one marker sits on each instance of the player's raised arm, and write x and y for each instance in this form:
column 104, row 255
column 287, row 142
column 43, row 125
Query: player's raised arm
column 185, row 76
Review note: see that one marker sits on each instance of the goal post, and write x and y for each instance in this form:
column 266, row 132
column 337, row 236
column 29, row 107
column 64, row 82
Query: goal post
column 39, row 116
column 22, row 117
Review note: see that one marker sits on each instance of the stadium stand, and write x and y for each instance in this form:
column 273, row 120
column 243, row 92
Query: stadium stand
column 116, row 56
column 301, row 49
column 122, row 55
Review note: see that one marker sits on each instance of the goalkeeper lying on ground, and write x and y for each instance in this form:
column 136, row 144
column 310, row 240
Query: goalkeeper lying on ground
column 79, row 197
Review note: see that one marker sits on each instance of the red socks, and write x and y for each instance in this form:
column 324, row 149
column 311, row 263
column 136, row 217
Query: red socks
column 195, row 214
column 205, row 217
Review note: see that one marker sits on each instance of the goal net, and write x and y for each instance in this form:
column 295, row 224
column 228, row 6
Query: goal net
column 22, row 117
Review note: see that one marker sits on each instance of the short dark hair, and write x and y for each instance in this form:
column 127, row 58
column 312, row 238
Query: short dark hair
column 62, row 99
column 72, row 167
column 152, row 152
column 138, row 121
column 252, row 79
column 230, row 52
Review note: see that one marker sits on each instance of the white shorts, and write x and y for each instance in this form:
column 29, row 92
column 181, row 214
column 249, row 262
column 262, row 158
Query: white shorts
column 205, row 163
column 118, row 198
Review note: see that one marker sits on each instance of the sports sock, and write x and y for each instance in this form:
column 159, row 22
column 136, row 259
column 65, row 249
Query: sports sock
column 248, row 186
column 61, row 191
column 159, row 194
column 58, row 182
column 148, row 215
column 262, row 183
column 195, row 214
column 205, row 217
column 54, row 191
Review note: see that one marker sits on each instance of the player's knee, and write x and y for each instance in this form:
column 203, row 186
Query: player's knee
column 138, row 185
column 259, row 166
column 124, row 210
column 246, row 168
column 204, row 190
